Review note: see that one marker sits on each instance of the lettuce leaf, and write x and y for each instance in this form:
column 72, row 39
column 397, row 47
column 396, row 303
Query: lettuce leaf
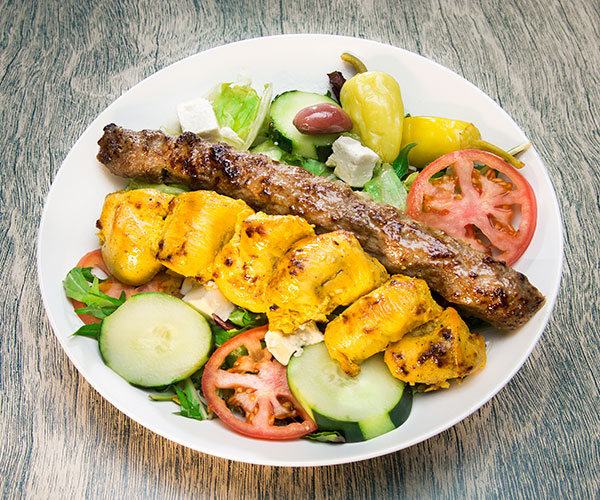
column 386, row 187
column 238, row 107
column 315, row 167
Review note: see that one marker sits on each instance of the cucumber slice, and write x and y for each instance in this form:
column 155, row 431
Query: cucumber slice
column 155, row 339
column 361, row 407
column 284, row 109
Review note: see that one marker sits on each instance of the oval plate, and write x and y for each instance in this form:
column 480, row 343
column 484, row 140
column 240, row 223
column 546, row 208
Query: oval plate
column 67, row 231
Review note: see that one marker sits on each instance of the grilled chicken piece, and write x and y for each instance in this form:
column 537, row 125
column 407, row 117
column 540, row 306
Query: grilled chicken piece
column 245, row 265
column 316, row 275
column 475, row 282
column 373, row 321
column 130, row 227
column 199, row 223
column 436, row 352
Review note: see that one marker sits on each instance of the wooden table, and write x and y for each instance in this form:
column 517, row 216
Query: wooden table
column 63, row 62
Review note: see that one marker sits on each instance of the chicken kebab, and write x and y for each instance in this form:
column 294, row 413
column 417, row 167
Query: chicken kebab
column 276, row 264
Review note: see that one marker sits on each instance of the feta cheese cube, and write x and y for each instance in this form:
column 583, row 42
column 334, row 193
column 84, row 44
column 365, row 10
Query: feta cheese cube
column 199, row 117
column 353, row 162
column 209, row 300
column 283, row 346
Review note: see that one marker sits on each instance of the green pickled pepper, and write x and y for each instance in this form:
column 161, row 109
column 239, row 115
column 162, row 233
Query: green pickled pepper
column 373, row 101
column 437, row 136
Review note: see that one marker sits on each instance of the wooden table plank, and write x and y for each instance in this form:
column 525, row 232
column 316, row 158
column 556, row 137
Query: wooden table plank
column 62, row 63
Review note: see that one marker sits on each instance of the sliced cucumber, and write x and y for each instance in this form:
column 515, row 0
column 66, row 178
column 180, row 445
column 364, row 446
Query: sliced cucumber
column 284, row 109
column 155, row 339
column 361, row 407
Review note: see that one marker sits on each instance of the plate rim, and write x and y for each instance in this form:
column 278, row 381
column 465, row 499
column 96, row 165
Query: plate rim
column 542, row 321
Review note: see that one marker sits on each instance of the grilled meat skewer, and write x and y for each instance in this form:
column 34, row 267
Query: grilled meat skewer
column 475, row 282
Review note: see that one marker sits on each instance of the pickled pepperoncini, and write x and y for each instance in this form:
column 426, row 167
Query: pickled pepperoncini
column 374, row 102
column 436, row 137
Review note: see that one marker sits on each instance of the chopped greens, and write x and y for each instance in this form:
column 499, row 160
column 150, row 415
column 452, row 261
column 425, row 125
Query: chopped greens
column 386, row 187
column 326, row 437
column 238, row 107
column 191, row 404
column 400, row 164
column 81, row 285
column 315, row 167
column 173, row 189
column 242, row 318
column 246, row 319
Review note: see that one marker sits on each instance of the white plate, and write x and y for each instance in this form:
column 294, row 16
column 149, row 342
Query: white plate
column 67, row 231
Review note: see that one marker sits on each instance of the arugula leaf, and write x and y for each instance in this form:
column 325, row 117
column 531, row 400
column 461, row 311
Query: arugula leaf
column 247, row 319
column 81, row 285
column 221, row 335
column 326, row 437
column 400, row 164
column 92, row 331
column 191, row 405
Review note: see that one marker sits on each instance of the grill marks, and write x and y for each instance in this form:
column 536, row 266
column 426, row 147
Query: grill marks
column 475, row 282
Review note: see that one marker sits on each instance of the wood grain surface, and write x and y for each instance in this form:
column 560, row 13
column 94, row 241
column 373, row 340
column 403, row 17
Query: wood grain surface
column 62, row 62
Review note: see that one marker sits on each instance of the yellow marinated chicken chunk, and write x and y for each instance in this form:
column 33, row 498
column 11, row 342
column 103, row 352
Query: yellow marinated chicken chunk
column 245, row 265
column 373, row 321
column 318, row 274
column 436, row 352
column 130, row 227
column 199, row 223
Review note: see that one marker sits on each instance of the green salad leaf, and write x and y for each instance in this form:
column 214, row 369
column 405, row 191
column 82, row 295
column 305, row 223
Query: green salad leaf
column 400, row 164
column 315, row 167
column 386, row 187
column 190, row 402
column 173, row 189
column 326, row 437
column 238, row 107
column 247, row 319
column 81, row 285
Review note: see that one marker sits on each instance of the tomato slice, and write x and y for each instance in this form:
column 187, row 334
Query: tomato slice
column 162, row 282
column 467, row 204
column 260, row 389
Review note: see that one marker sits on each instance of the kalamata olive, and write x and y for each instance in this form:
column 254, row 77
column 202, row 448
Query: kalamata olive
column 321, row 119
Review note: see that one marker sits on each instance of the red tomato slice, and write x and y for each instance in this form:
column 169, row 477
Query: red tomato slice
column 464, row 201
column 260, row 390
column 162, row 282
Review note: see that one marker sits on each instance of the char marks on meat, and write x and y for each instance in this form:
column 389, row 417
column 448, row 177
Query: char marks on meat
column 475, row 282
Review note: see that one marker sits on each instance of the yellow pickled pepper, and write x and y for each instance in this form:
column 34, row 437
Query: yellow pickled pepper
column 374, row 102
column 437, row 136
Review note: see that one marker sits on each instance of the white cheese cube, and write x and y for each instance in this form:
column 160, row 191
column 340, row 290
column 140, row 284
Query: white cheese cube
column 282, row 346
column 353, row 162
column 209, row 300
column 199, row 117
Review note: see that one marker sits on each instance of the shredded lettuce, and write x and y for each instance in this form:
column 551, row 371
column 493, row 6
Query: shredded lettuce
column 386, row 187
column 315, row 167
column 238, row 107
column 173, row 189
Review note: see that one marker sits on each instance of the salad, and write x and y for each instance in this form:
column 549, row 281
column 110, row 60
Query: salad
column 220, row 358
